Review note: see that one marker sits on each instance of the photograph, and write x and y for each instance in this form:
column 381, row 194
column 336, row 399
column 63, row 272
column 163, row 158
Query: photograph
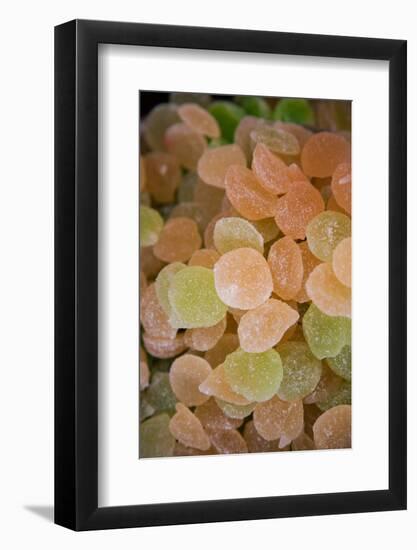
column 245, row 274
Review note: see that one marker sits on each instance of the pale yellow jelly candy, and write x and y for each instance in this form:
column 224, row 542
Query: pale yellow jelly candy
column 149, row 263
column 151, row 225
column 235, row 411
column 185, row 144
column 243, row 278
column 342, row 261
column 226, row 344
column 325, row 232
column 205, row 257
column 267, row 228
column 296, row 174
column 242, row 134
column 256, row 443
column 286, row 264
column 199, row 120
column 153, row 317
column 156, row 124
column 332, row 429
column 163, row 282
column 275, row 419
column 263, row 327
column 164, row 348
column 247, row 195
column 187, row 429
column 163, row 176
column 186, row 374
column 231, row 233
column 178, row 240
column 209, row 231
column 322, row 153
column 309, row 263
column 302, row 134
column 297, row 208
column 328, row 293
column 216, row 385
column 228, row 442
column 277, row 140
column 213, row 419
column 271, row 171
column 342, row 186
column 213, row 164
column 205, row 338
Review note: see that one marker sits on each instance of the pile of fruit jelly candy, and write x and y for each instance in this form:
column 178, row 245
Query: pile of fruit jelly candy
column 245, row 276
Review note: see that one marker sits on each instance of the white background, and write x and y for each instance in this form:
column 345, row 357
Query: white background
column 26, row 289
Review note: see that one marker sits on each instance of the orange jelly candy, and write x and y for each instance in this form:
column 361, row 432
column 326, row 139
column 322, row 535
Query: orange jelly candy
column 213, row 164
column 199, row 120
column 205, row 338
column 205, row 257
column 228, row 442
column 286, row 265
column 178, row 240
column 153, row 318
column 309, row 263
column 163, row 176
column 187, row 429
column 332, row 429
column 279, row 419
column 186, row 374
column 256, row 443
column 271, row 171
column 342, row 186
column 213, row 418
column 185, row 144
column 341, row 261
column 216, row 385
column 328, row 293
column 227, row 344
column 322, row 153
column 164, row 348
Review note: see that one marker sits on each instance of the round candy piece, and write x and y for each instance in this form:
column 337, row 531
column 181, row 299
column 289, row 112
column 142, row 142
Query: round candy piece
column 185, row 144
column 213, row 419
column 242, row 134
column 243, row 278
column 277, row 140
column 286, row 265
column 194, row 299
column 302, row 371
column 213, row 164
column 151, row 225
column 297, row 208
column 325, row 335
column 178, row 240
column 332, row 430
column 163, row 176
column 155, row 439
column 228, row 115
column 159, row 393
column 256, row 106
column 276, row 419
column 300, row 132
column 187, row 429
column 322, row 153
column 342, row 363
column 153, row 317
column 235, row 411
column 164, row 348
column 309, row 263
column 209, row 199
column 231, row 233
column 256, row 376
column 342, row 261
column 328, row 293
column 227, row 343
column 205, row 257
column 342, row 186
column 163, row 282
column 186, row 374
column 203, row 339
column 156, row 123
column 262, row 328
column 256, row 443
column 218, row 386
column 294, row 110
column 271, row 171
column 325, row 232
column 199, row 120
column 149, row 263
column 228, row 442
column 190, row 210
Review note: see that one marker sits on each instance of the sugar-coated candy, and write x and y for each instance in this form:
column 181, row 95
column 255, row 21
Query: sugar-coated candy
column 256, row 376
column 204, row 257
column 300, row 132
column 286, row 264
column 153, row 317
column 193, row 297
column 156, row 124
column 301, row 371
column 233, row 232
column 256, row 443
column 325, row 335
column 213, row 418
column 256, row 106
column 242, row 134
column 267, row 228
column 178, row 240
column 277, row 140
column 340, row 396
column 190, row 210
column 322, row 153
column 342, row 186
column 235, row 411
column 296, row 209
column 164, row 348
column 155, row 437
column 332, row 429
column 213, row 164
column 271, row 171
column 227, row 343
column 247, row 195
column 228, row 115
column 163, row 175
column 208, row 198
column 341, row 364
column 163, row 282
column 187, row 429
column 342, row 261
column 205, row 338
column 328, row 293
column 185, row 144
column 296, row 174
column 262, row 328
column 186, row 374
column 309, row 263
column 324, row 233
column 199, row 119
column 294, row 110
column 159, row 394
column 228, row 442
column 217, row 385
column 151, row 225
column 329, row 385
column 243, row 278
column 277, row 419
column 149, row 263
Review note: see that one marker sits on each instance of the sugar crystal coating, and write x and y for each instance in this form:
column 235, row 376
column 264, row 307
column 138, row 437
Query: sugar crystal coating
column 213, row 418
column 151, row 225
column 205, row 338
column 277, row 140
column 153, row 317
column 155, row 437
column 271, row 171
column 164, row 348
column 217, row 385
column 301, row 371
column 163, row 282
column 235, row 411
column 300, row 132
column 285, row 261
column 186, row 374
column 242, row 134
column 324, row 233
column 213, row 164
column 228, row 442
column 277, row 419
column 178, row 240
column 322, row 153
column 205, row 257
column 256, row 443
column 341, row 364
column 185, row 144
column 342, row 186
column 332, row 429
column 342, row 261
column 199, row 120
column 328, row 293
column 325, row 335
column 231, row 233
column 187, row 429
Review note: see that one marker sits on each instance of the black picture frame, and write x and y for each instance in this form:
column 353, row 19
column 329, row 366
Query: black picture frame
column 76, row 271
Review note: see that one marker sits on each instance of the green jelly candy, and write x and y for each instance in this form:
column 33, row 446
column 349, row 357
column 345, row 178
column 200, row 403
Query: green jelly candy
column 159, row 394
column 256, row 376
column 342, row 396
column 325, row 232
column 342, row 363
column 302, row 371
column 145, row 409
column 298, row 111
column 255, row 106
column 228, row 115
column 163, row 282
column 151, row 225
column 155, row 438
column 231, row 233
column 326, row 336
column 194, row 299
column 235, row 411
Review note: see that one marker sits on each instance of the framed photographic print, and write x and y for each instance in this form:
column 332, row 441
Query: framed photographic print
column 230, row 252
